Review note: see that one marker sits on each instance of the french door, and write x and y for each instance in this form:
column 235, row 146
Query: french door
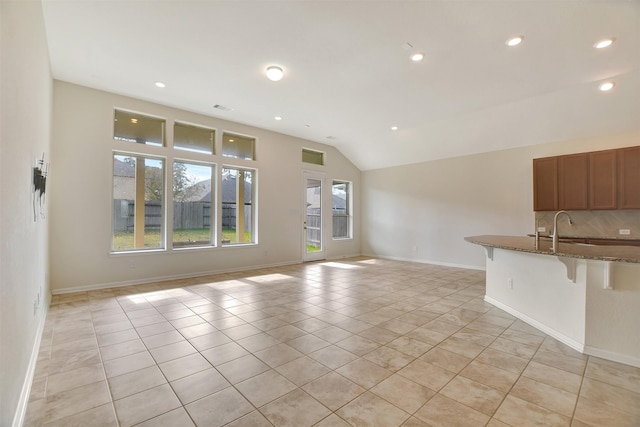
column 312, row 221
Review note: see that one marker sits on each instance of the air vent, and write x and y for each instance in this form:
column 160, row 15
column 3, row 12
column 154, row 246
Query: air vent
column 222, row 108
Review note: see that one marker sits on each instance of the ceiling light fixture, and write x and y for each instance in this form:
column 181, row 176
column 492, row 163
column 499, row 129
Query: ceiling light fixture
column 278, row 118
column 160, row 84
column 606, row 86
column 604, row 43
column 394, row 128
column 514, row 41
column 134, row 121
column 417, row 57
column 275, row 73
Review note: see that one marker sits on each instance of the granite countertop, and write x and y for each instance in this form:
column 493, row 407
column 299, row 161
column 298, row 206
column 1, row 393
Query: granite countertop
column 565, row 249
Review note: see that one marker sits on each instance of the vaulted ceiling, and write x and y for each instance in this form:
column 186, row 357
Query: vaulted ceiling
column 348, row 78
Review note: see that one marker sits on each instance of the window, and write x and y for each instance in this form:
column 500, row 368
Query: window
column 313, row 157
column 138, row 210
column 239, row 147
column 193, row 189
column 341, row 209
column 238, row 208
column 193, row 138
column 134, row 127
column 167, row 194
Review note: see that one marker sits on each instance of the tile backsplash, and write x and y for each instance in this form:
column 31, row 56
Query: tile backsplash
column 606, row 224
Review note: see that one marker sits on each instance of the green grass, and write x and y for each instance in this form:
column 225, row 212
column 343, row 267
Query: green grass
column 123, row 240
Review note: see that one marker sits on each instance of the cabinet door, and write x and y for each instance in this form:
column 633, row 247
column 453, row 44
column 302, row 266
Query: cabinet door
column 545, row 184
column 629, row 178
column 602, row 180
column 573, row 175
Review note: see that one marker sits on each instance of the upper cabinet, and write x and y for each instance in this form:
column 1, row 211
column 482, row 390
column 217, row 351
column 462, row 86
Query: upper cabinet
column 629, row 178
column 545, row 184
column 607, row 179
column 603, row 180
column 573, row 178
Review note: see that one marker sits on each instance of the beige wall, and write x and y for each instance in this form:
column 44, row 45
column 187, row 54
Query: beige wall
column 26, row 94
column 81, row 197
column 422, row 212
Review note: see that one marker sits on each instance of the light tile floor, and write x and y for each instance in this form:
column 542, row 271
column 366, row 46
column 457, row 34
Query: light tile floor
column 361, row 341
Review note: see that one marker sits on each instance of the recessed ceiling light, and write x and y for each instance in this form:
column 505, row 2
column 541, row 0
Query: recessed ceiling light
column 160, row 84
column 231, row 140
column 604, row 43
column 417, row 57
column 515, row 41
column 278, row 118
column 134, row 121
column 607, row 86
column 394, row 128
column 274, row 73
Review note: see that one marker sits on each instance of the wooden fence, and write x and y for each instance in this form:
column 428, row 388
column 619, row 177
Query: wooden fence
column 186, row 215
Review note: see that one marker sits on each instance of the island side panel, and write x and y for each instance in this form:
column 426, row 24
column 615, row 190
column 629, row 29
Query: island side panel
column 541, row 295
column 613, row 315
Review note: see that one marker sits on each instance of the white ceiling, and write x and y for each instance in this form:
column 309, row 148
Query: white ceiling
column 348, row 74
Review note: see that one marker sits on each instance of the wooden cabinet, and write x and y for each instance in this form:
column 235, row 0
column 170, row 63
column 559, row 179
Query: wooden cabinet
column 608, row 179
column 603, row 180
column 545, row 184
column 573, row 179
column 629, row 178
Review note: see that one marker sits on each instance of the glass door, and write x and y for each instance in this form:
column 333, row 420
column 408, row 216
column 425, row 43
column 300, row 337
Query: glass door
column 312, row 221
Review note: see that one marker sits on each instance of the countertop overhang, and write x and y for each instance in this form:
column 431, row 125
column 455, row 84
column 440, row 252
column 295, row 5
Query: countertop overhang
column 570, row 250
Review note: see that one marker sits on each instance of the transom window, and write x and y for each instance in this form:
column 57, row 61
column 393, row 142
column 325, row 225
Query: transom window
column 193, row 138
column 138, row 128
column 237, row 146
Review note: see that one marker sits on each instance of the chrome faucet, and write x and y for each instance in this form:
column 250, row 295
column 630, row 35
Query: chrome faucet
column 554, row 246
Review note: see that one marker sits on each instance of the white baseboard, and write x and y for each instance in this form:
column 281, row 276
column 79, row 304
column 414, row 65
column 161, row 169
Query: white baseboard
column 21, row 410
column 614, row 357
column 423, row 261
column 578, row 346
column 108, row 285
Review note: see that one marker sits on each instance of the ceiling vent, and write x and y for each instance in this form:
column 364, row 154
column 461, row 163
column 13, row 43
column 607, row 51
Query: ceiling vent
column 222, row 108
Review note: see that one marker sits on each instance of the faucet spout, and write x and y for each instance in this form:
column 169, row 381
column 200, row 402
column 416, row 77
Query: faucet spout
column 556, row 236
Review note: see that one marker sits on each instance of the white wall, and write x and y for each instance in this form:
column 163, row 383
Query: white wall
column 540, row 293
column 26, row 94
column 422, row 212
column 81, row 197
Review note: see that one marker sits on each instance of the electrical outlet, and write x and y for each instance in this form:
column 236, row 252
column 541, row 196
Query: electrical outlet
column 542, row 229
column 624, row 231
column 509, row 283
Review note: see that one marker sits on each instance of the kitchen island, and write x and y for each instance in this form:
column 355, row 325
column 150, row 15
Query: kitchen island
column 586, row 296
